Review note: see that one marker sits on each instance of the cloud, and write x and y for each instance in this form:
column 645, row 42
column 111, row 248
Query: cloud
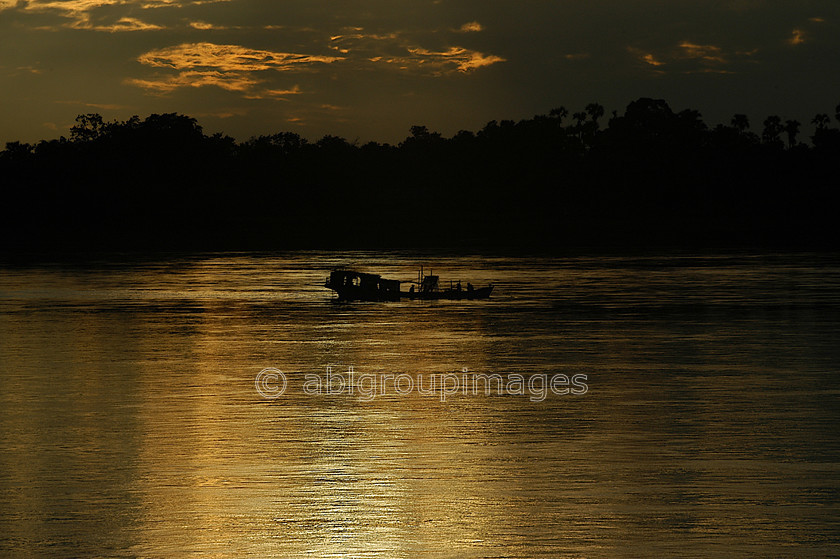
column 203, row 25
column 125, row 24
column 279, row 94
column 101, row 106
column 77, row 12
column 459, row 58
column 88, row 14
column 471, row 27
column 166, row 84
column 797, row 37
column 230, row 67
column 19, row 71
column 361, row 41
column 222, row 114
column 229, row 58
column 690, row 58
column 396, row 50
column 706, row 53
column 80, row 14
column 646, row 57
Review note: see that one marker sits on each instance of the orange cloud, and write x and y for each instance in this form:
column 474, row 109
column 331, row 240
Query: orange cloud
column 380, row 49
column 280, row 94
column 202, row 25
column 459, row 58
column 650, row 59
column 122, row 24
column 646, row 57
column 228, row 58
column 707, row 53
column 691, row 58
column 471, row 27
column 230, row 67
column 78, row 13
column 167, row 84
column 797, row 38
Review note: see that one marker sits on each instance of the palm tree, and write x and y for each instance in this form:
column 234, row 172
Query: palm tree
column 821, row 121
column 772, row 129
column 740, row 122
column 792, row 129
column 595, row 111
column 559, row 113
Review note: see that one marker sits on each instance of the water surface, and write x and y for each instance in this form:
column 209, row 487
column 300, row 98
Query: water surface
column 130, row 423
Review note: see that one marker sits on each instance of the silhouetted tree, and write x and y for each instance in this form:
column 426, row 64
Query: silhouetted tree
column 691, row 119
column 88, row 127
column 421, row 138
column 772, row 130
column 651, row 171
column 646, row 124
column 559, row 113
column 826, row 140
column 282, row 144
column 595, row 112
column 740, row 122
column 17, row 151
column 792, row 129
column 821, row 121
column 172, row 125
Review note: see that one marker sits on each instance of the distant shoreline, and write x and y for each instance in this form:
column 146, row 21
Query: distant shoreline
column 648, row 179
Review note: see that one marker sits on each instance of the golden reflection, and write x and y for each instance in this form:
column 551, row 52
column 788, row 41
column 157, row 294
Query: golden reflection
column 130, row 419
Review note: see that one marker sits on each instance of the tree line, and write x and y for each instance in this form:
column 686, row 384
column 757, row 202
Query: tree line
column 648, row 177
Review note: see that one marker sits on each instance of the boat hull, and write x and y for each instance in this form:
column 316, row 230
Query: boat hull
column 450, row 294
column 354, row 293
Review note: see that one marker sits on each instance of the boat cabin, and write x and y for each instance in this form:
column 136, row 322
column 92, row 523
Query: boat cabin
column 361, row 286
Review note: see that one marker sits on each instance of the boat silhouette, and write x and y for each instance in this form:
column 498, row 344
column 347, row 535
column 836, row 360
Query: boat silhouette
column 359, row 286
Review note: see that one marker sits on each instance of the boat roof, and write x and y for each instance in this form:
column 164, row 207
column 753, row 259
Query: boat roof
column 353, row 273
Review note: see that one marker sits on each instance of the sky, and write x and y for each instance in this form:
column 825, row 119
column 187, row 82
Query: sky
column 368, row 70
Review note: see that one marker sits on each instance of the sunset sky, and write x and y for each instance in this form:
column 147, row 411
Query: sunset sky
column 370, row 69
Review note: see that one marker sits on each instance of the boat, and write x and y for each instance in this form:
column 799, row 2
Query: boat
column 358, row 286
